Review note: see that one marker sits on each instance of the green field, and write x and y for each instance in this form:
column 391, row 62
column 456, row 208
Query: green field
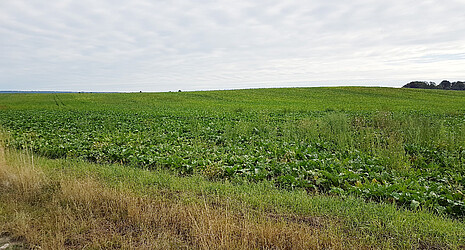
column 289, row 168
column 401, row 146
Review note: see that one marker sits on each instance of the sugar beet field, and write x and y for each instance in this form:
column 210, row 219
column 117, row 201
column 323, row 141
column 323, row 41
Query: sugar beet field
column 401, row 146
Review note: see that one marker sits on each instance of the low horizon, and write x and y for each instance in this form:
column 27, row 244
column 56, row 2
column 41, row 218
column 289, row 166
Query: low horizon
column 194, row 90
column 180, row 90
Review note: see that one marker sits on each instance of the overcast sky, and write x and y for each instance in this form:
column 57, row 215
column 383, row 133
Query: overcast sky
column 103, row 45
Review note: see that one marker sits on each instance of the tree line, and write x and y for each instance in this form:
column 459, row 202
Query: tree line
column 432, row 85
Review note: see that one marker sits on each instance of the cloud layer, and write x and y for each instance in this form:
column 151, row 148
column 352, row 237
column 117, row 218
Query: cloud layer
column 190, row 45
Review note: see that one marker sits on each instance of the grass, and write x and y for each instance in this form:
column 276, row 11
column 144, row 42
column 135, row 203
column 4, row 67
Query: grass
column 75, row 204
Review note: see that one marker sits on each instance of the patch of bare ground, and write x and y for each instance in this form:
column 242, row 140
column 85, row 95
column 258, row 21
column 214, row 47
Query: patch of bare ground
column 6, row 242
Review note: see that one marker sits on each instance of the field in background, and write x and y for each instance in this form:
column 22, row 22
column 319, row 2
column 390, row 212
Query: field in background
column 355, row 99
column 400, row 146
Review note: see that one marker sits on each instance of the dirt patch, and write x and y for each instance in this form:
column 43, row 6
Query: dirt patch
column 8, row 243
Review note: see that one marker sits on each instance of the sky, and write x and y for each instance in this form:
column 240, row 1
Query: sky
column 142, row 45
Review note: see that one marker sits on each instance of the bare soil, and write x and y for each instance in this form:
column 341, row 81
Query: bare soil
column 7, row 243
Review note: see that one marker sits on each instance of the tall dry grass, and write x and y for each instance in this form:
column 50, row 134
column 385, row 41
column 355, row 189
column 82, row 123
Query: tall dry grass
column 49, row 212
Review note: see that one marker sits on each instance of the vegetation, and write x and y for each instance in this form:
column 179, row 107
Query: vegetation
column 404, row 147
column 432, row 85
column 83, row 212
column 67, row 203
column 410, row 156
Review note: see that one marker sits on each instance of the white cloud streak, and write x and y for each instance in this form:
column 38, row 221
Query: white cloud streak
column 169, row 45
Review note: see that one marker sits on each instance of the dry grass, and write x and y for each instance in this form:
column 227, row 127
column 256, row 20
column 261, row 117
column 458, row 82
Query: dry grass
column 65, row 212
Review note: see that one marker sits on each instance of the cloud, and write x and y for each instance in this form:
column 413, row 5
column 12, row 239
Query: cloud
column 180, row 44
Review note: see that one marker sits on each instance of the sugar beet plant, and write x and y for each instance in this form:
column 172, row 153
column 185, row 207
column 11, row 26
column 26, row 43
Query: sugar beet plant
column 413, row 159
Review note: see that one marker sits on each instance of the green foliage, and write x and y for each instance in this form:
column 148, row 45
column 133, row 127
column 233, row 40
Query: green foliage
column 410, row 154
column 446, row 85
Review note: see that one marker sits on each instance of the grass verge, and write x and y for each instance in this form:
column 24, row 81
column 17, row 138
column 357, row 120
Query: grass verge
column 73, row 204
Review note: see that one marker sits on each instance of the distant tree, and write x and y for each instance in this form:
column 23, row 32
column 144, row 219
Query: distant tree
column 458, row 85
column 445, row 84
column 432, row 85
column 415, row 85
column 420, row 85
